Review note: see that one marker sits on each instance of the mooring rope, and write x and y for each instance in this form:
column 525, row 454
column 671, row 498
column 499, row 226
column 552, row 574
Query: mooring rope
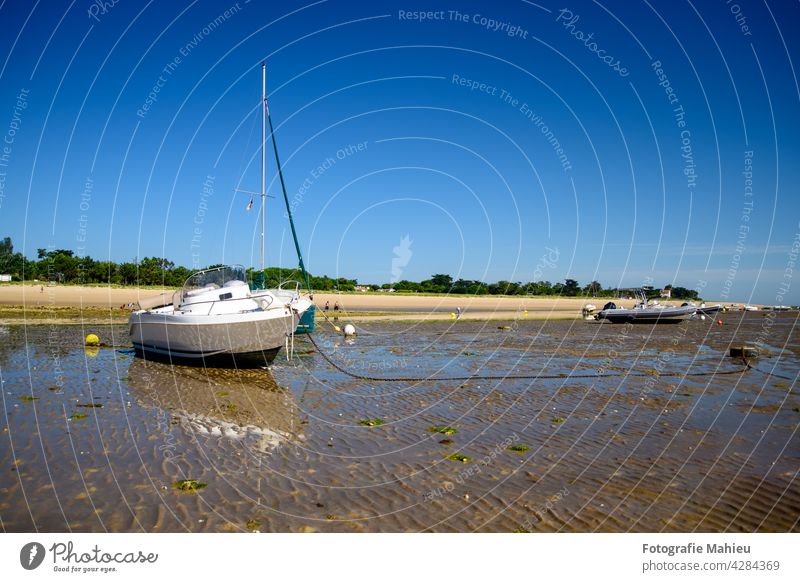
column 335, row 327
column 746, row 366
column 775, row 374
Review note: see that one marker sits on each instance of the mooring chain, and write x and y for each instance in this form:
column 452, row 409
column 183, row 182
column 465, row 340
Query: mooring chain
column 745, row 362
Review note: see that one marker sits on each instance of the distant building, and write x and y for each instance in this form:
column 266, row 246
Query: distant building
column 389, row 290
column 363, row 288
column 666, row 294
column 5, row 278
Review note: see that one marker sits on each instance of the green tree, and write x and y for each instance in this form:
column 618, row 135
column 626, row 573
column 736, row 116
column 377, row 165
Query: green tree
column 407, row 286
column 323, row 283
column 505, row 288
column 444, row 281
column 593, row 288
column 539, row 288
column 343, row 284
column 11, row 263
column 684, row 293
column 6, row 246
column 63, row 265
column 128, row 273
column 469, row 287
column 570, row 288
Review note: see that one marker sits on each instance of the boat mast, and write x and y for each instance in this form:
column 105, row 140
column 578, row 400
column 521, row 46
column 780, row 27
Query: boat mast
column 263, row 153
column 286, row 200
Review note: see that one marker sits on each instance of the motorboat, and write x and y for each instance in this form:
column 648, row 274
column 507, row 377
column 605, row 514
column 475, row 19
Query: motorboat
column 217, row 319
column 646, row 312
column 704, row 309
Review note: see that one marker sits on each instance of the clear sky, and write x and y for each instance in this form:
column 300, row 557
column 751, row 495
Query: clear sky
column 631, row 143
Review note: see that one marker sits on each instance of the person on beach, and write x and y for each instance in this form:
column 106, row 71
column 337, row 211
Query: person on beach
column 336, row 306
column 458, row 313
column 327, row 305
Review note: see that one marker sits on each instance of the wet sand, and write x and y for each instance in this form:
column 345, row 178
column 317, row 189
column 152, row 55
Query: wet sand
column 285, row 450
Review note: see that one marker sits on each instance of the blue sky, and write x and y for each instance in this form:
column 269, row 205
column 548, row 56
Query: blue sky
column 631, row 143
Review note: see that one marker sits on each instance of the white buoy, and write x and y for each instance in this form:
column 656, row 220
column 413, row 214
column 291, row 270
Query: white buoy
column 349, row 329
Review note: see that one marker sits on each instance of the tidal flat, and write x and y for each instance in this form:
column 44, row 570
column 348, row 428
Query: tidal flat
column 585, row 428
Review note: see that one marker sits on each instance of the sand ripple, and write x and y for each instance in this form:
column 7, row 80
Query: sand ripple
column 95, row 440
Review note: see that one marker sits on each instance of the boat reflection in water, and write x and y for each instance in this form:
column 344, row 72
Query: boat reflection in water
column 230, row 405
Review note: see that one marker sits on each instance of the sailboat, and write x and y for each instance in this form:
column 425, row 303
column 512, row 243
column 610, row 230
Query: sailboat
column 217, row 318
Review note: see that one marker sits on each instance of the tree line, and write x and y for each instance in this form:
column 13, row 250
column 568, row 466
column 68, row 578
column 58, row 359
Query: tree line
column 442, row 283
column 63, row 266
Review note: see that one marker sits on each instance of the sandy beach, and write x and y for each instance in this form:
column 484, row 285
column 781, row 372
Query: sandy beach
column 73, row 296
column 353, row 305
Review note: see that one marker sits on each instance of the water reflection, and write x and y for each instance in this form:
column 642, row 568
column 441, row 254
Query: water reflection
column 230, row 404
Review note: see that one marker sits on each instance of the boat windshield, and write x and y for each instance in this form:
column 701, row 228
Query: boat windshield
column 216, row 278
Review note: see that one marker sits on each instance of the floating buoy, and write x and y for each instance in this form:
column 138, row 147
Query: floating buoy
column 744, row 352
column 349, row 329
column 452, row 315
column 719, row 322
column 92, row 340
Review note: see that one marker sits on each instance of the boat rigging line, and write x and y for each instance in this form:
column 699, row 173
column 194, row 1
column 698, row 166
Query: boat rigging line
column 745, row 367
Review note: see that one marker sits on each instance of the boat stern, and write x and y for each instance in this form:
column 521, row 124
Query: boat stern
column 306, row 323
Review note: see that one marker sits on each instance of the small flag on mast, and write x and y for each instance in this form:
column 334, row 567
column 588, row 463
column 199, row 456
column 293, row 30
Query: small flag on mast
column 250, row 206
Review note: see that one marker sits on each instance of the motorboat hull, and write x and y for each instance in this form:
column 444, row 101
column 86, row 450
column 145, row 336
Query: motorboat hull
column 243, row 339
column 645, row 316
column 258, row 359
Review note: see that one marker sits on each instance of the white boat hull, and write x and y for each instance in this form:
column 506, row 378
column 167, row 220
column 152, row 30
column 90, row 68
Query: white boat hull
column 255, row 336
column 647, row 315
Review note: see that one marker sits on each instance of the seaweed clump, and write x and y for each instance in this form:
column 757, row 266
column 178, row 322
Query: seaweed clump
column 189, row 485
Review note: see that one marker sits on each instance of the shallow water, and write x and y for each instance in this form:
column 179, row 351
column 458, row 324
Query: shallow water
column 284, row 451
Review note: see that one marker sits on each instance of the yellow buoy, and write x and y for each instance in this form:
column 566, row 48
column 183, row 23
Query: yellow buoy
column 92, row 340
